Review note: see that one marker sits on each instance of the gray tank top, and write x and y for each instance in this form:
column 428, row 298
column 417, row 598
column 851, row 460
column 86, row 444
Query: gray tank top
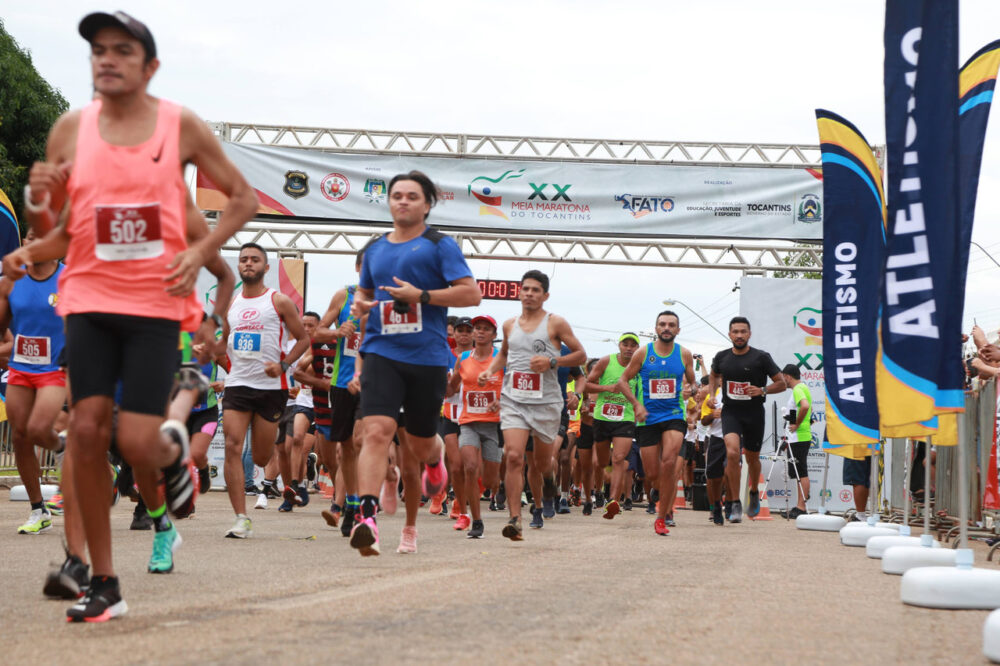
column 519, row 382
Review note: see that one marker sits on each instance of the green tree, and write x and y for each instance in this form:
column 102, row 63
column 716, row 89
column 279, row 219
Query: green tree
column 28, row 108
column 803, row 260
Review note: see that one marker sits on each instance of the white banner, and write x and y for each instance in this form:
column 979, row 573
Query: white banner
column 786, row 321
column 555, row 197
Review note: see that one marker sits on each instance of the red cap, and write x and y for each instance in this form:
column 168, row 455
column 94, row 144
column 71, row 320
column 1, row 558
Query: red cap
column 488, row 319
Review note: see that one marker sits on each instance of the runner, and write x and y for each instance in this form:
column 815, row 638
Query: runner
column 742, row 372
column 531, row 403
column 614, row 416
column 554, row 501
column 479, row 436
column 125, row 147
column 715, row 455
column 586, row 461
column 36, row 385
column 449, row 429
column 410, row 277
column 256, row 379
column 800, row 434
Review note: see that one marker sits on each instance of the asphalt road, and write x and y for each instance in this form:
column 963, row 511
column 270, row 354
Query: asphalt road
column 580, row 590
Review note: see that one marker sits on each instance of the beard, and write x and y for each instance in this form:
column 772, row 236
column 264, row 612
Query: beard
column 741, row 345
column 666, row 337
column 252, row 278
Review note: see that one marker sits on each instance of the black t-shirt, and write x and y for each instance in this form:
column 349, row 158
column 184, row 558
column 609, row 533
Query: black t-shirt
column 739, row 372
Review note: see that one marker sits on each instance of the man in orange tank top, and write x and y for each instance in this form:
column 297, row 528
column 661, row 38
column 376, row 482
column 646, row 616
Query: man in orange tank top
column 113, row 179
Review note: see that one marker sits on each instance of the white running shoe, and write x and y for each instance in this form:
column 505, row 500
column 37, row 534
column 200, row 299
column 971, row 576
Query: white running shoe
column 39, row 521
column 261, row 502
column 242, row 529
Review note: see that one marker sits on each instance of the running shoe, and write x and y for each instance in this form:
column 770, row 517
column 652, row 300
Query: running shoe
column 437, row 504
column 204, row 480
column 286, row 506
column 462, row 523
column 612, row 509
column 588, row 508
column 434, row 480
column 493, row 504
column 181, row 490
column 242, row 529
column 627, row 505
column 728, row 509
column 303, row 496
column 164, row 545
column 364, row 537
column 332, row 515
column 311, row 460
column 39, row 521
column 512, row 530
column 388, row 497
column 660, row 527
column 563, row 507
column 575, row 495
column 501, row 497
column 271, row 491
column 262, row 502
column 476, row 531
column 737, row 515
column 549, row 507
column 102, row 602
column 291, row 498
column 717, row 515
column 598, row 499
column 141, row 521
column 70, row 581
column 408, row 540
column 795, row 513
column 536, row 518
column 753, row 506
column 55, row 505
column 251, row 490
column 115, row 492
column 669, row 520
column 651, row 508
column 351, row 516
column 455, row 513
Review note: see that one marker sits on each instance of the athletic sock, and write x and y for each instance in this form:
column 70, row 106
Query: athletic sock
column 564, row 494
column 295, row 485
column 267, row 483
column 37, row 505
column 352, row 501
column 160, row 520
column 369, row 506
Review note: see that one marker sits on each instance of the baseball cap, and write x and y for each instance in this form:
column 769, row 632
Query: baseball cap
column 91, row 23
column 463, row 321
column 486, row 318
column 629, row 336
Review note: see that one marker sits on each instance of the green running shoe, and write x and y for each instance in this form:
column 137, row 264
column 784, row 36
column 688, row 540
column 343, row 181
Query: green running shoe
column 39, row 521
column 164, row 545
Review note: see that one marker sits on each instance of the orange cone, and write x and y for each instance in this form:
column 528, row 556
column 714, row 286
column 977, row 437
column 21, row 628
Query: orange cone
column 765, row 509
column 323, row 480
column 679, row 502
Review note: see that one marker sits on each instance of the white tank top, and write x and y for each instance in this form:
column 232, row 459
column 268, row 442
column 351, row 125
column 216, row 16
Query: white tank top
column 305, row 398
column 256, row 337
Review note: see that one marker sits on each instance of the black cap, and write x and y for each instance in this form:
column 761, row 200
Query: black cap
column 463, row 321
column 91, row 23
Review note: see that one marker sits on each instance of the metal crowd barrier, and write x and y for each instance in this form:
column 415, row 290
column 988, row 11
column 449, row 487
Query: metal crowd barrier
column 8, row 466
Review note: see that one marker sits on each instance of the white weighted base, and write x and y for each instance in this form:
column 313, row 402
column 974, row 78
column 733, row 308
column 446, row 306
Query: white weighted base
column 900, row 559
column 858, row 534
column 991, row 637
column 19, row 494
column 820, row 522
column 877, row 546
column 942, row 587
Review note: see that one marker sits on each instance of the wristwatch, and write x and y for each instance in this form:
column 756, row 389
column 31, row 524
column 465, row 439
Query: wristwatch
column 217, row 319
column 425, row 297
column 553, row 362
column 285, row 366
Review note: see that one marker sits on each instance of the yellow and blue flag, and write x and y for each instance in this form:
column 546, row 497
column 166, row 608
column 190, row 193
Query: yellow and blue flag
column 10, row 233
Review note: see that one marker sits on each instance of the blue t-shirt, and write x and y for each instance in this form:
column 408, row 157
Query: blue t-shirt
column 430, row 261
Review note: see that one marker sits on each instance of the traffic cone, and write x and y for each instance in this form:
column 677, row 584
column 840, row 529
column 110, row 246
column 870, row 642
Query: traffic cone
column 325, row 486
column 765, row 509
column 679, row 502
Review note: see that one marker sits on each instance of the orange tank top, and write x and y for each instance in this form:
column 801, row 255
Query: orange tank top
column 475, row 398
column 127, row 221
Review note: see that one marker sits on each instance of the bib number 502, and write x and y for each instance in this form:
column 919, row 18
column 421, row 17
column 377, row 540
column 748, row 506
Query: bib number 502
column 128, row 231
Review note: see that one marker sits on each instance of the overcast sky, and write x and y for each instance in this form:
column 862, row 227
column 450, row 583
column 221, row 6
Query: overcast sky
column 706, row 71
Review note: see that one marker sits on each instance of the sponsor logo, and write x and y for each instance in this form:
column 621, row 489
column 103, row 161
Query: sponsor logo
column 539, row 191
column 375, row 190
column 296, row 184
column 53, row 299
column 719, row 208
column 810, row 322
column 335, row 187
column 249, row 314
column 641, row 206
column 810, row 209
column 846, row 495
column 487, row 191
column 768, row 208
column 501, row 196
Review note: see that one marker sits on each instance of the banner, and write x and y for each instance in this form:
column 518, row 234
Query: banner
column 786, row 321
column 918, row 362
column 853, row 246
column 10, row 233
column 524, row 196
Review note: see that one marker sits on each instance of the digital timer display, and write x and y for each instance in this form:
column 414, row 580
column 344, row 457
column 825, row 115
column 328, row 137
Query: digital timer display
column 500, row 290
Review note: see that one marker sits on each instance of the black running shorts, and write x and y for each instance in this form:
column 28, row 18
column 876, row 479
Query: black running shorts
column 800, row 460
column 748, row 423
column 198, row 420
column 605, row 431
column 141, row 352
column 585, row 441
column 269, row 404
column 715, row 465
column 387, row 385
column 651, row 435
column 343, row 413
column 447, row 427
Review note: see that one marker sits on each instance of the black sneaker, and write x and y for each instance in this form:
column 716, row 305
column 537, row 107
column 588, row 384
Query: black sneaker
column 347, row 523
column 548, row 508
column 795, row 513
column 251, row 490
column 627, row 504
column 141, row 520
column 598, row 499
column 536, row 519
column 728, row 509
column 753, row 505
column 669, row 520
column 311, row 460
column 563, row 507
column 717, row 515
column 476, row 531
column 270, row 491
column 180, row 489
column 102, row 602
column 204, row 480
column 737, row 515
column 588, row 508
column 501, row 497
column 493, row 504
column 70, row 581
column 651, row 507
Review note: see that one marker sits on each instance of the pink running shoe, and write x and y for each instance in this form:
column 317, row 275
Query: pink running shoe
column 408, row 540
column 434, row 479
column 364, row 537
column 462, row 523
column 389, row 495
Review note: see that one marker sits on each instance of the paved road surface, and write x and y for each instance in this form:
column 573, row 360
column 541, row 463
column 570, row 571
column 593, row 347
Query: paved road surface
column 582, row 590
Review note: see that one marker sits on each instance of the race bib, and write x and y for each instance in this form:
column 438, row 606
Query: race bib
column 738, row 390
column 246, row 345
column 525, row 384
column 612, row 412
column 128, row 232
column 478, row 402
column 394, row 323
column 451, row 411
column 32, row 350
column 352, row 345
column 663, row 389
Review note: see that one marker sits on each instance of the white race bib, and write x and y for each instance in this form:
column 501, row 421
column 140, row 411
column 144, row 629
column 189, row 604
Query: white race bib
column 352, row 345
column 478, row 402
column 128, row 232
column 394, row 323
column 663, row 389
column 525, row 384
column 738, row 390
column 32, row 350
column 612, row 412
